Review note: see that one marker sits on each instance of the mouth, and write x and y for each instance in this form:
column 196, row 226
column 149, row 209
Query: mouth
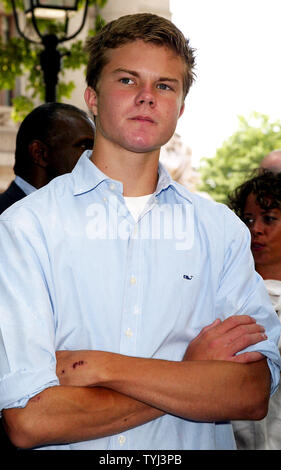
column 143, row 119
column 257, row 246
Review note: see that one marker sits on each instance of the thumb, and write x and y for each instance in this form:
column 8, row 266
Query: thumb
column 215, row 323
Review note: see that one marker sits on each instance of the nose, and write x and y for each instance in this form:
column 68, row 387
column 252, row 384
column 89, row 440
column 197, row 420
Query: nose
column 146, row 97
column 257, row 227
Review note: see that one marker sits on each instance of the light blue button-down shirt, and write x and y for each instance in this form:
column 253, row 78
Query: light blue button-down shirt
column 77, row 272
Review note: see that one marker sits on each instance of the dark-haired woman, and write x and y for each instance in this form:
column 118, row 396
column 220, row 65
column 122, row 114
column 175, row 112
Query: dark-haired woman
column 258, row 203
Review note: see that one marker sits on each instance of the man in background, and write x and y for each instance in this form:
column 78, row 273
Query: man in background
column 49, row 142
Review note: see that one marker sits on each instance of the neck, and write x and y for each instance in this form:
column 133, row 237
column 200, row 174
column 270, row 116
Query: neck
column 269, row 271
column 36, row 176
column 138, row 172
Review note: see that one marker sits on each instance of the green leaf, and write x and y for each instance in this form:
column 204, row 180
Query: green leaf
column 21, row 107
column 239, row 155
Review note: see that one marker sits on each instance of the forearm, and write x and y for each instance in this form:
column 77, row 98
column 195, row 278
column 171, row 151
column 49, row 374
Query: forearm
column 212, row 383
column 197, row 390
column 70, row 414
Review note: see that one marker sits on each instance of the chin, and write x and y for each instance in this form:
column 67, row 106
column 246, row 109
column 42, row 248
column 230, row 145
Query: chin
column 144, row 146
column 143, row 150
column 141, row 147
column 261, row 260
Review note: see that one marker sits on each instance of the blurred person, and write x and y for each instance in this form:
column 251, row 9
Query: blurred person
column 258, row 203
column 49, row 142
column 123, row 336
column 272, row 161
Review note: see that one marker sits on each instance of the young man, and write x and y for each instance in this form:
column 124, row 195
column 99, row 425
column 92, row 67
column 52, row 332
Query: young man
column 49, row 142
column 147, row 306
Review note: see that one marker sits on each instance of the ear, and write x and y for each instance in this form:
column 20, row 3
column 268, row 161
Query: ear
column 181, row 110
column 91, row 99
column 39, row 153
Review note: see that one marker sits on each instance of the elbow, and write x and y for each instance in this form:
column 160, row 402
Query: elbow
column 21, row 441
column 259, row 395
column 19, row 429
column 254, row 402
column 258, row 409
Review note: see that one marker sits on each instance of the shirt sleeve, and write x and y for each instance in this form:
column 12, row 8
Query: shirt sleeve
column 242, row 291
column 27, row 332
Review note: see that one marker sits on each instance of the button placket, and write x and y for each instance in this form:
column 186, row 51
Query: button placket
column 130, row 320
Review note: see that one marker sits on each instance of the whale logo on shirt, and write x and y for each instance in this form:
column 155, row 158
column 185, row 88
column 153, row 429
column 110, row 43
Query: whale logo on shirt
column 185, row 276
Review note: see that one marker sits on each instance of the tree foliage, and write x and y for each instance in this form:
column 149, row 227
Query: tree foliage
column 19, row 57
column 239, row 155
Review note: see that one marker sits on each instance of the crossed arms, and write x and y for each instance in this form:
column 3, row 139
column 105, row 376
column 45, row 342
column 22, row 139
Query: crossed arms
column 101, row 393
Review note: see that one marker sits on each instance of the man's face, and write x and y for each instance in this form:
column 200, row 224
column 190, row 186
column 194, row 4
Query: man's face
column 73, row 134
column 139, row 97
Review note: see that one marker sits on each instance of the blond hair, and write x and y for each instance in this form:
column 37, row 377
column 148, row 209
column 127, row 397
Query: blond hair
column 143, row 26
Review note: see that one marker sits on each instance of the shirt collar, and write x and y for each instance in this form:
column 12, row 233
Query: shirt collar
column 87, row 177
column 24, row 185
column 165, row 181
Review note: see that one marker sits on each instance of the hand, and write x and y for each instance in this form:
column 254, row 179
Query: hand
column 223, row 339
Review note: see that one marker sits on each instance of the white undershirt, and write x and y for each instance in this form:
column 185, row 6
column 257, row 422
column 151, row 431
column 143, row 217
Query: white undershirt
column 136, row 204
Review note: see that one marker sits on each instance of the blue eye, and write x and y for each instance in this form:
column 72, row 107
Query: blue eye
column 163, row 86
column 126, row 81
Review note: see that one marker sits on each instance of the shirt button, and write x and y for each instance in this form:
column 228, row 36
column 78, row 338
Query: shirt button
column 133, row 280
column 112, row 186
column 122, row 440
column 129, row 332
column 136, row 310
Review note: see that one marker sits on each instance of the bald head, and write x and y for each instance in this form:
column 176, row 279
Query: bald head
column 50, row 141
column 272, row 161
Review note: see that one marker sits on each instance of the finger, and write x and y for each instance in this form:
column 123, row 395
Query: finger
column 235, row 339
column 244, row 341
column 247, row 357
column 242, row 331
column 235, row 321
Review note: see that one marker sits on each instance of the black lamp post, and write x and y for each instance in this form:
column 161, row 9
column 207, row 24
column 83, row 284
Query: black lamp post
column 50, row 57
